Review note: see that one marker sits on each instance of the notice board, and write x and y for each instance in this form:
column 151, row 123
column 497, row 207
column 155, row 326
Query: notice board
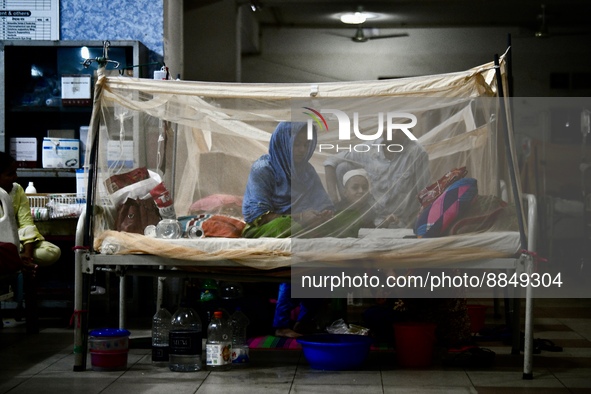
column 29, row 20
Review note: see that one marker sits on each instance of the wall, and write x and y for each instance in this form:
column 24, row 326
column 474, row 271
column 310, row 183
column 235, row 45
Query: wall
column 315, row 55
column 140, row 20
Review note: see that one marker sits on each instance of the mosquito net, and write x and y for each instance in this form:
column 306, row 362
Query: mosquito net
column 429, row 155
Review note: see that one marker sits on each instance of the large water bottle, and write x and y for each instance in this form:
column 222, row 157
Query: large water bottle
column 239, row 322
column 160, row 330
column 185, row 340
column 218, row 349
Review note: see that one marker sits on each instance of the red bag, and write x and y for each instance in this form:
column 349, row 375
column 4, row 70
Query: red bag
column 431, row 192
column 134, row 215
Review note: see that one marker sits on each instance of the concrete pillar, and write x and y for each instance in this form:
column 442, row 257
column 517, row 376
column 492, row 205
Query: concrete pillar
column 211, row 50
column 173, row 36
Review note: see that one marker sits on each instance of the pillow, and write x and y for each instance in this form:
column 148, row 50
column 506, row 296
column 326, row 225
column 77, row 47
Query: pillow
column 435, row 220
column 224, row 204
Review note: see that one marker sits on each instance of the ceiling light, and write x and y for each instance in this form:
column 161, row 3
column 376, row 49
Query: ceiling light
column 255, row 5
column 357, row 18
column 353, row 18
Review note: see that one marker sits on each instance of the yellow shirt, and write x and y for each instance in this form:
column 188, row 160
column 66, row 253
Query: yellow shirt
column 27, row 231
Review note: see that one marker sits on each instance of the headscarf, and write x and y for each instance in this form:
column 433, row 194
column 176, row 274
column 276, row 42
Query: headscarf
column 276, row 185
column 357, row 172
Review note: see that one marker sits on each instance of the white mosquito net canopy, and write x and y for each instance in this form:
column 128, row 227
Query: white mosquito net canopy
column 200, row 141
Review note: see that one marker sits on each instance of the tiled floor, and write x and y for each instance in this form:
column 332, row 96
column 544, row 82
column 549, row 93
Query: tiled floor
column 43, row 363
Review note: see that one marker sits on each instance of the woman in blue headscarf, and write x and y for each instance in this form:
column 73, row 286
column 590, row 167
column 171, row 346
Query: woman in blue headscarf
column 284, row 196
column 284, row 193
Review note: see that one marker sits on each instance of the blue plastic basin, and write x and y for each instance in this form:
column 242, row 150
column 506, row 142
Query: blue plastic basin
column 335, row 352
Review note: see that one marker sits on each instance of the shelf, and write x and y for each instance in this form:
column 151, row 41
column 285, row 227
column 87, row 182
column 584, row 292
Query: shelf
column 44, row 109
column 32, row 71
column 46, row 172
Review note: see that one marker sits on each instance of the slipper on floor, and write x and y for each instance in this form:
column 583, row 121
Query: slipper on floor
column 540, row 344
column 547, row 345
column 470, row 356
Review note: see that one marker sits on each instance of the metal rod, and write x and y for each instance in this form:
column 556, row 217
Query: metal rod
column 513, row 178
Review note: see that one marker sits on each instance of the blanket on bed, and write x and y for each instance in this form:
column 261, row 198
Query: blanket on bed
column 375, row 247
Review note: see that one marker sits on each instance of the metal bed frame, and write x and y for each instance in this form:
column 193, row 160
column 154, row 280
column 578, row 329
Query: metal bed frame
column 87, row 263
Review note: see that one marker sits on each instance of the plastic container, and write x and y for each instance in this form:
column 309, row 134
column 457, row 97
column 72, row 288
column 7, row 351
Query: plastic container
column 168, row 229
column 335, row 352
column 477, row 315
column 160, row 330
column 184, row 340
column 414, row 344
column 219, row 343
column 240, row 351
column 108, row 348
column 30, row 189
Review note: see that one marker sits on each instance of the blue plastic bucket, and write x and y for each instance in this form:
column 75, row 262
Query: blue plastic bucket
column 335, row 352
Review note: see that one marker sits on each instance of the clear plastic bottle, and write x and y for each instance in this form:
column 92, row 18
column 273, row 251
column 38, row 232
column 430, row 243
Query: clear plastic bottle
column 218, row 348
column 239, row 321
column 30, row 189
column 185, row 344
column 160, row 331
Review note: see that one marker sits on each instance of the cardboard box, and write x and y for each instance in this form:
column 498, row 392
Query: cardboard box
column 59, row 133
column 83, row 140
column 60, row 153
column 81, row 181
column 24, row 151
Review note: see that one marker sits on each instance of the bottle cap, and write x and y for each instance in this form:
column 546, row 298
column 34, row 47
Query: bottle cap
column 217, row 314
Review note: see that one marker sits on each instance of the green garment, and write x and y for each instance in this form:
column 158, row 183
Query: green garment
column 27, row 231
column 344, row 224
column 44, row 253
column 280, row 227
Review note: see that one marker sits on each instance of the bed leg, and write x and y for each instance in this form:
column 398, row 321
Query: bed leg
column 516, row 325
column 528, row 334
column 77, row 316
column 160, row 290
column 122, row 297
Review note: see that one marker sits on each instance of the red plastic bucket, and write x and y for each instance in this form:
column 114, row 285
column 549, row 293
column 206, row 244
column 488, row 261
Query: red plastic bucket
column 108, row 349
column 108, row 360
column 414, row 344
column 477, row 314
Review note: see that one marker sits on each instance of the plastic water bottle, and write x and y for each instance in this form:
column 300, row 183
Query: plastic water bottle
column 160, row 331
column 30, row 189
column 185, row 340
column 239, row 322
column 218, row 349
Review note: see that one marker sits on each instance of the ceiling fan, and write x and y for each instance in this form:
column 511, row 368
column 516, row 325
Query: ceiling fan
column 362, row 36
